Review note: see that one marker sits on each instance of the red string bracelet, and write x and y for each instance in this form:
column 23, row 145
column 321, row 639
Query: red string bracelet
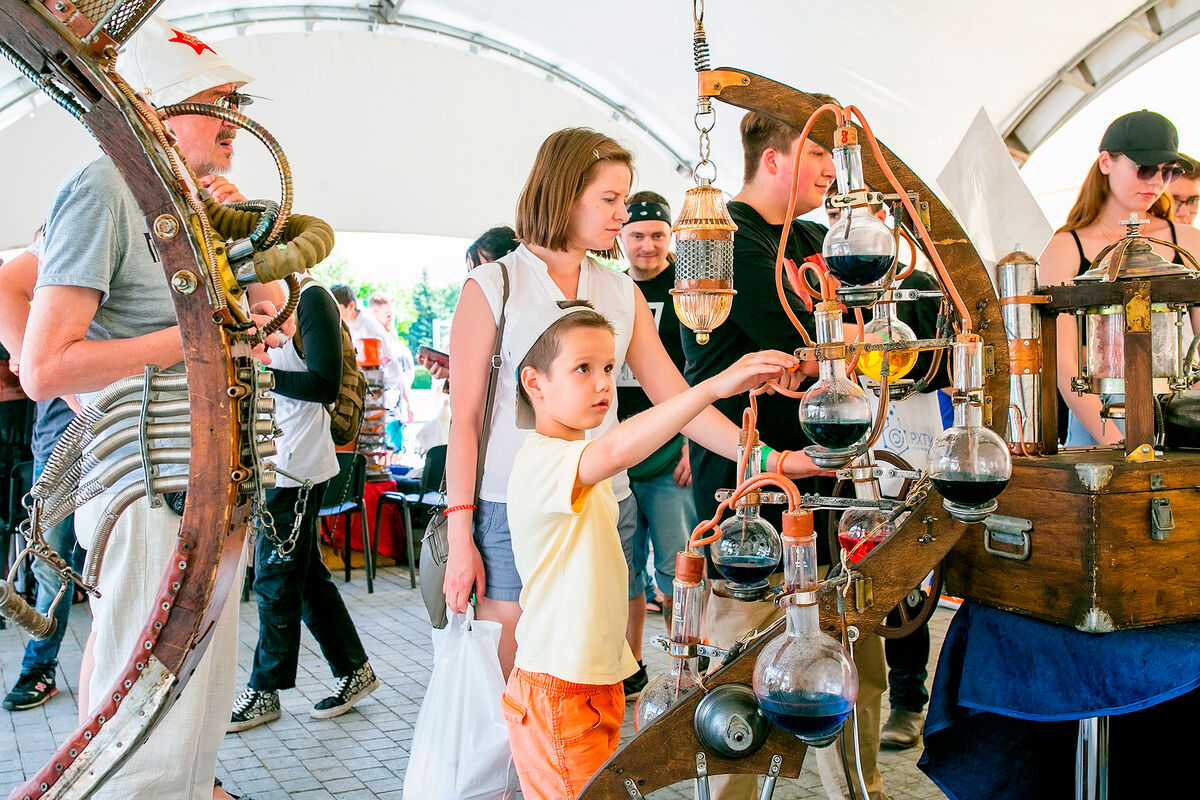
column 463, row 507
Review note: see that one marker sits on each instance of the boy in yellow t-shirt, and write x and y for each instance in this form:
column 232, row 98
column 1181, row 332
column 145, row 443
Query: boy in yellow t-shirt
column 564, row 701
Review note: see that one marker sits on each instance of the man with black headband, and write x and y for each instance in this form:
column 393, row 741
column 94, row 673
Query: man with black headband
column 662, row 483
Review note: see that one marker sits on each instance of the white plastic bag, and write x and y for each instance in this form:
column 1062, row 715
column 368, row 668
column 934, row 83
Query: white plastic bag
column 460, row 747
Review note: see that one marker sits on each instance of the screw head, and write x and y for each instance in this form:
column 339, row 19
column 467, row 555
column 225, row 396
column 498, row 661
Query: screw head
column 184, row 281
column 166, row 226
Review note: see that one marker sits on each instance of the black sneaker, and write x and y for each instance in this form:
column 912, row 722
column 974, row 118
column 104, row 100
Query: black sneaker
column 252, row 708
column 350, row 690
column 636, row 682
column 30, row 691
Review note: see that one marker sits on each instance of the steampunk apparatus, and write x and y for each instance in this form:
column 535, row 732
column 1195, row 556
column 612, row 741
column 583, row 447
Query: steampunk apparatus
column 211, row 424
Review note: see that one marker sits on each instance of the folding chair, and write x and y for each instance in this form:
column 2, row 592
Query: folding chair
column 427, row 497
column 344, row 497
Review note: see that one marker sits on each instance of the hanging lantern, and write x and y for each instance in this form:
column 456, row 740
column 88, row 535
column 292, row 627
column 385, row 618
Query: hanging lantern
column 703, row 293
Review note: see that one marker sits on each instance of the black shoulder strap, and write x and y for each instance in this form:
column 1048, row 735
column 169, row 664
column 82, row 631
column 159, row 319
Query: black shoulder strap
column 1084, row 263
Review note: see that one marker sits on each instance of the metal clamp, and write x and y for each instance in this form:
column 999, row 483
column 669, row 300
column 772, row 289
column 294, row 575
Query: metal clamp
column 878, row 471
column 916, row 294
column 690, row 649
column 1162, row 520
column 1012, row 532
column 764, row 498
column 768, row 788
column 702, row 787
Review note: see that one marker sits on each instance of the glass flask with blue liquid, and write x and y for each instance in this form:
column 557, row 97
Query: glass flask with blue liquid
column 804, row 680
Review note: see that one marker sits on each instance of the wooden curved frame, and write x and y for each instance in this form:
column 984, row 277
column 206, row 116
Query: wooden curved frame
column 665, row 753
column 200, row 573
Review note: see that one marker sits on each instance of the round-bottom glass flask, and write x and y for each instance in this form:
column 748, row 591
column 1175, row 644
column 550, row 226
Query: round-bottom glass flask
column 804, row 680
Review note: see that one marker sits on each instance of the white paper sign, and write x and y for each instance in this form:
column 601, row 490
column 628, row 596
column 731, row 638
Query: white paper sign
column 983, row 187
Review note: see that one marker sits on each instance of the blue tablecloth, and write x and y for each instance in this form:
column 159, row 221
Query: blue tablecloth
column 1002, row 720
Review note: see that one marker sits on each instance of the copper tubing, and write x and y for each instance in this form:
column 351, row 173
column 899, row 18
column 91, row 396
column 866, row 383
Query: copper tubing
column 938, row 266
column 837, row 114
column 263, row 135
column 181, row 171
column 289, row 307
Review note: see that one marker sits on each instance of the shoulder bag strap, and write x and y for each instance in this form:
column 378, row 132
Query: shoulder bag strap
column 485, row 432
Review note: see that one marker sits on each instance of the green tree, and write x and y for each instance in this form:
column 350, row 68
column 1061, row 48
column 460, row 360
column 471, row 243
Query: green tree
column 338, row 269
column 429, row 303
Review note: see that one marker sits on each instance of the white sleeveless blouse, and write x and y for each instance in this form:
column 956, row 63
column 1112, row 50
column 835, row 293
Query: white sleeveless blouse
column 529, row 284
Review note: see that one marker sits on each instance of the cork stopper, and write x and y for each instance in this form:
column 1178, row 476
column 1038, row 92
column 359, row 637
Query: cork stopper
column 798, row 524
column 845, row 135
column 689, row 567
column 742, row 439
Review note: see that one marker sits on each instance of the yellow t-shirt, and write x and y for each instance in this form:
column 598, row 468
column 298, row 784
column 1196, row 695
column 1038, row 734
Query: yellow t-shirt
column 574, row 599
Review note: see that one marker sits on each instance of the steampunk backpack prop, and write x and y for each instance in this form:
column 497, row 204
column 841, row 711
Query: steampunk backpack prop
column 215, row 417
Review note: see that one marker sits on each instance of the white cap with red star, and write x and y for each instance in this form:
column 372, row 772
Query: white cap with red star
column 168, row 65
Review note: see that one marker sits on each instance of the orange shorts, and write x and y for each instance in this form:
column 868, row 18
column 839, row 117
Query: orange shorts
column 561, row 733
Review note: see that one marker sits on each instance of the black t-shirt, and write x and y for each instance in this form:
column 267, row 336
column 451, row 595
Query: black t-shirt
column 631, row 399
column 756, row 322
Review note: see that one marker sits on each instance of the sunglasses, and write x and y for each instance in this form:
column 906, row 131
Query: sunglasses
column 234, row 100
column 1146, row 172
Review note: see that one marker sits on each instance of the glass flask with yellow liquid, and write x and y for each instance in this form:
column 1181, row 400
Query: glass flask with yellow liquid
column 887, row 328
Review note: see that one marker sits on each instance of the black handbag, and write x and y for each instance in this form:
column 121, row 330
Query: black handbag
column 1181, row 419
column 435, row 545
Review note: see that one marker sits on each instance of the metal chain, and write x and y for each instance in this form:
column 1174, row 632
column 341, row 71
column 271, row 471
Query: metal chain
column 286, row 545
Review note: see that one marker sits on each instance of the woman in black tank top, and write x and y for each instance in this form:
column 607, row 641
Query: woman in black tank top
column 1139, row 157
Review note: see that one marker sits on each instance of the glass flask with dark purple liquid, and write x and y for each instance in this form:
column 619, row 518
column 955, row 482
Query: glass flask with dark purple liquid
column 859, row 248
column 969, row 464
column 834, row 411
column 749, row 548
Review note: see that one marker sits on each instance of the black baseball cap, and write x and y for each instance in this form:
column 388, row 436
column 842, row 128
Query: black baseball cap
column 1145, row 137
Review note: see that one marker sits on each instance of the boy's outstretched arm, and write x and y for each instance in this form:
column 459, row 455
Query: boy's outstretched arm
column 639, row 436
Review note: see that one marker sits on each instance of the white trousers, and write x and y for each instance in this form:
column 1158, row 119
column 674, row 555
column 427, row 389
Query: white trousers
column 179, row 757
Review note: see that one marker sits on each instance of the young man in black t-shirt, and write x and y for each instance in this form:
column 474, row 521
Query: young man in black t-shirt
column 663, row 482
column 757, row 321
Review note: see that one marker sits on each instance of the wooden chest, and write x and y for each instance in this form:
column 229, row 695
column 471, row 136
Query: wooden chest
column 1089, row 540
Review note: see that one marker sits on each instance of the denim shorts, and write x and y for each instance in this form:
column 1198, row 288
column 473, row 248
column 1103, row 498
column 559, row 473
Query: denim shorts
column 494, row 541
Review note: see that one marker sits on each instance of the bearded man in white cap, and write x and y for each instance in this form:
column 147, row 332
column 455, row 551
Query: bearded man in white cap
column 102, row 311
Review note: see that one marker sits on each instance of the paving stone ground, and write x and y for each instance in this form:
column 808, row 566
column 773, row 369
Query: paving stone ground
column 364, row 753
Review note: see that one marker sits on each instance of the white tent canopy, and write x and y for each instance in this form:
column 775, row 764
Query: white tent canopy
column 423, row 116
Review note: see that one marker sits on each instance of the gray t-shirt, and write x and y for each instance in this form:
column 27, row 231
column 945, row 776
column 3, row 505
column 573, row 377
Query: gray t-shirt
column 96, row 237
